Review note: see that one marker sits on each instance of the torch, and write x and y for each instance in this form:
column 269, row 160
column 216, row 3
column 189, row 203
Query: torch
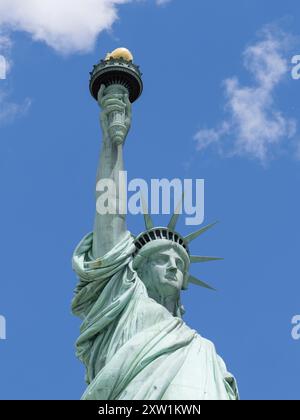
column 120, row 76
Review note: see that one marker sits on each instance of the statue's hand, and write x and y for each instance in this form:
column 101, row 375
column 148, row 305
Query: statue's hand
column 127, row 112
column 116, row 115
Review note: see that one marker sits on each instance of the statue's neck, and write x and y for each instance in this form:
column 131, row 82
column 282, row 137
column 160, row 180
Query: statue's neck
column 171, row 303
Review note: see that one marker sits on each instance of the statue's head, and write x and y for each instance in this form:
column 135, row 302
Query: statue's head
column 162, row 260
column 163, row 266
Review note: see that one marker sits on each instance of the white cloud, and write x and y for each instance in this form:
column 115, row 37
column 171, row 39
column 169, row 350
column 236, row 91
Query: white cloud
column 3, row 67
column 68, row 26
column 5, row 47
column 162, row 2
column 254, row 125
column 65, row 25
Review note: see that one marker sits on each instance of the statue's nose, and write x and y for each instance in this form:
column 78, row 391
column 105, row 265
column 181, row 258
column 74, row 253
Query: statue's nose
column 172, row 266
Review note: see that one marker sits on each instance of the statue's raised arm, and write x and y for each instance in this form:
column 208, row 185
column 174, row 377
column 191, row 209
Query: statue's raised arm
column 115, row 118
column 115, row 83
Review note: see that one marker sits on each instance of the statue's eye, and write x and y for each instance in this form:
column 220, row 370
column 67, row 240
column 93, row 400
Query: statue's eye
column 180, row 265
column 161, row 259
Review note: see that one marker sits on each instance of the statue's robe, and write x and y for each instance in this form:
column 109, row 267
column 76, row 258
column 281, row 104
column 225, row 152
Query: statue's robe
column 133, row 348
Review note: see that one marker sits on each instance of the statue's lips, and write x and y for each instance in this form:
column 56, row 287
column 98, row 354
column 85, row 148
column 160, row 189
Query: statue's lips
column 171, row 277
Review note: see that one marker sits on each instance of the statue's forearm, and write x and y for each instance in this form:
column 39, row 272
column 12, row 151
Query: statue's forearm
column 109, row 228
column 115, row 118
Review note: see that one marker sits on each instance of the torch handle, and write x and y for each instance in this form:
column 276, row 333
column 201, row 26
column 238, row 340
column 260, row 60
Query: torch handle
column 115, row 108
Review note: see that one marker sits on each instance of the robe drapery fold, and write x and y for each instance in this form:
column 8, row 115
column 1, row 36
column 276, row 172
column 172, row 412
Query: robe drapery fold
column 132, row 347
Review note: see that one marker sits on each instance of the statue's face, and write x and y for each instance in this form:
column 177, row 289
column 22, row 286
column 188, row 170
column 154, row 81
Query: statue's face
column 165, row 271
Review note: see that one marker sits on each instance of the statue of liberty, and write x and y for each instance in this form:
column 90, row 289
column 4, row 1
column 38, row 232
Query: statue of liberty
column 133, row 340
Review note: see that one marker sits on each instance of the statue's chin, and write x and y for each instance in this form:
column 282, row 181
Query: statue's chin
column 167, row 292
column 171, row 284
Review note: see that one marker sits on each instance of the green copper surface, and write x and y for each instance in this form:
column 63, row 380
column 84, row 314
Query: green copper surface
column 133, row 340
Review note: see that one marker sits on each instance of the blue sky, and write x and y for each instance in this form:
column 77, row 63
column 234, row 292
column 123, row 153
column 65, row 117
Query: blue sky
column 219, row 103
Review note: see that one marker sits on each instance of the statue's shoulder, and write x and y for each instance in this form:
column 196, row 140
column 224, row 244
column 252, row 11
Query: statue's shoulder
column 208, row 344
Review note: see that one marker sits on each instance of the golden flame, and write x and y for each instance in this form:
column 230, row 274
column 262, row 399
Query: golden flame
column 120, row 53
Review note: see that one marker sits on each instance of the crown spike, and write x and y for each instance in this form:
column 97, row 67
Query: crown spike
column 174, row 218
column 199, row 232
column 199, row 259
column 148, row 221
column 198, row 282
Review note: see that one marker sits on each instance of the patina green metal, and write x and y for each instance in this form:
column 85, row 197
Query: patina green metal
column 133, row 340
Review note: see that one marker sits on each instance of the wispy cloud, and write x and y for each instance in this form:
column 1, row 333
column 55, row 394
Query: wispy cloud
column 9, row 110
column 162, row 2
column 254, row 126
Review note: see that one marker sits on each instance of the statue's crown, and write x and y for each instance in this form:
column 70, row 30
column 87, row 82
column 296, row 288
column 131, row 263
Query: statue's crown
column 158, row 233
column 153, row 234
